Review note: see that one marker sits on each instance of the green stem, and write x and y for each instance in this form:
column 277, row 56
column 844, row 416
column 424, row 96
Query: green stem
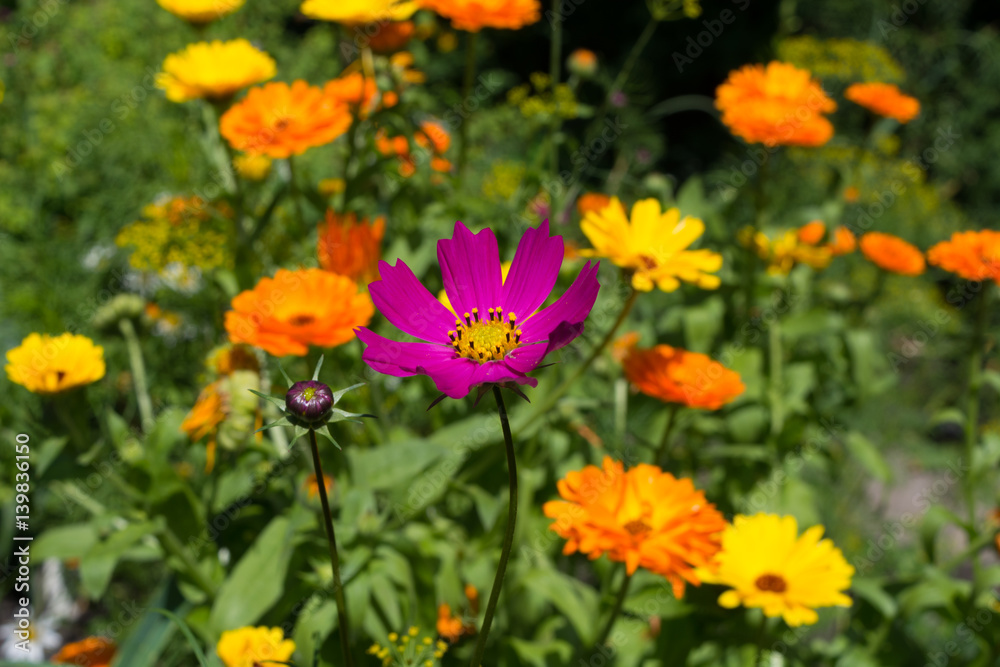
column 508, row 538
column 296, row 193
column 661, row 451
column 776, row 388
column 138, row 372
column 615, row 612
column 972, row 413
column 172, row 545
column 338, row 588
column 468, row 81
column 554, row 396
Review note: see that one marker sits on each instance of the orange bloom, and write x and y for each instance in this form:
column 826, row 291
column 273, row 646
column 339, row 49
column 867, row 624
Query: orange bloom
column 851, row 194
column 644, row 518
column 623, row 345
column 312, row 486
column 227, row 359
column 432, row 136
column 812, row 233
column 92, row 651
column 885, row 99
column 582, row 62
column 592, row 201
column 474, row 15
column 971, row 255
column 674, row 375
column 208, row 412
column 779, row 104
column 451, row 626
column 843, row 242
column 351, row 247
column 392, row 36
column 354, row 90
column 278, row 120
column 892, row 253
column 295, row 309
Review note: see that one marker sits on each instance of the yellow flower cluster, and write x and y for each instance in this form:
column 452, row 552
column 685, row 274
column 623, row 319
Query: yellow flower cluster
column 842, row 59
column 185, row 231
column 785, row 251
column 409, row 649
column 673, row 10
column 248, row 647
column 558, row 100
column 503, row 180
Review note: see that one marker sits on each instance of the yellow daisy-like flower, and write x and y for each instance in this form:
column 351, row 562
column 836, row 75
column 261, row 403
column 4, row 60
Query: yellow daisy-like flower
column 249, row 647
column 252, row 167
column 653, row 245
column 359, row 11
column 768, row 565
column 46, row 364
column 214, row 70
column 200, row 11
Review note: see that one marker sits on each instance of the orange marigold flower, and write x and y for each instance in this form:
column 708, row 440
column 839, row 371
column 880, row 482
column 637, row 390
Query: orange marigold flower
column 351, row 247
column 674, row 375
column 623, row 345
column 354, row 90
column 92, row 651
column 844, row 241
column 644, row 518
column 582, row 62
column 390, row 98
column 885, row 99
column 592, row 201
column 440, row 164
column 474, row 15
column 851, row 194
column 392, row 36
column 312, row 486
column 812, row 232
column 432, row 136
column 279, row 120
column 449, row 626
column 286, row 314
column 779, row 104
column 208, row 412
column 971, row 255
column 892, row 253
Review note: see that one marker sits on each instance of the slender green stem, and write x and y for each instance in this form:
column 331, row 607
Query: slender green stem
column 554, row 396
column 776, row 386
column 338, row 587
column 296, row 193
column 615, row 612
column 508, row 538
column 173, row 546
column 138, row 372
column 761, row 638
column 972, row 412
column 664, row 447
column 468, row 81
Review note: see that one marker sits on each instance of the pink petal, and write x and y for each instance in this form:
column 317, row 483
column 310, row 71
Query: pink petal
column 563, row 320
column 533, row 273
column 408, row 305
column 470, row 267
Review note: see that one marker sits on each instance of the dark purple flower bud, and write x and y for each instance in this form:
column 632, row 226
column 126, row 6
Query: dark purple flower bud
column 310, row 401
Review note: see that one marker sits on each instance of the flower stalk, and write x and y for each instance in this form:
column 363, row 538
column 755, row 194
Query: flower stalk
column 615, row 611
column 972, row 413
column 138, row 372
column 508, row 538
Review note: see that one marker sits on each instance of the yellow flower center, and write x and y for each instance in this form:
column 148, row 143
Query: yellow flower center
column 771, row 582
column 309, row 393
column 485, row 340
column 637, row 527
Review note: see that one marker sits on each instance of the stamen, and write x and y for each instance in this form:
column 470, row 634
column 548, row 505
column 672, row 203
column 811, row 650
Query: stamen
column 495, row 335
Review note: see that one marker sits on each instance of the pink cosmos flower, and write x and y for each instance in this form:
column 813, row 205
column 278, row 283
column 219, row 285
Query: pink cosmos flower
column 499, row 334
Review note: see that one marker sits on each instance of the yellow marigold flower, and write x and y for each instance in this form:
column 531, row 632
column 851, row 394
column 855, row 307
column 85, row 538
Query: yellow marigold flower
column 893, row 253
column 46, row 364
column 643, row 517
column 653, row 245
column 674, row 375
column 200, row 11
column 252, row 167
column 359, row 11
column 779, row 104
column 214, row 70
column 92, row 652
column 884, row 99
column 251, row 647
column 770, row 566
column 474, row 15
column 971, row 255
column 786, row 251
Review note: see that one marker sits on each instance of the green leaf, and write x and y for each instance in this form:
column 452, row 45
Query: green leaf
column 867, row 454
column 871, row 590
column 257, row 581
column 395, row 465
column 98, row 564
column 64, row 542
column 314, row 625
column 935, row 589
column 188, row 635
column 574, row 599
column 536, row 652
column 149, row 637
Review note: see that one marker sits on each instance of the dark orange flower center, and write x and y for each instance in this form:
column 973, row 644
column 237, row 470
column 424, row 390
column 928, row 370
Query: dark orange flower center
column 302, row 320
column 771, row 582
column 637, row 527
column 648, row 261
column 485, row 340
column 60, row 375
